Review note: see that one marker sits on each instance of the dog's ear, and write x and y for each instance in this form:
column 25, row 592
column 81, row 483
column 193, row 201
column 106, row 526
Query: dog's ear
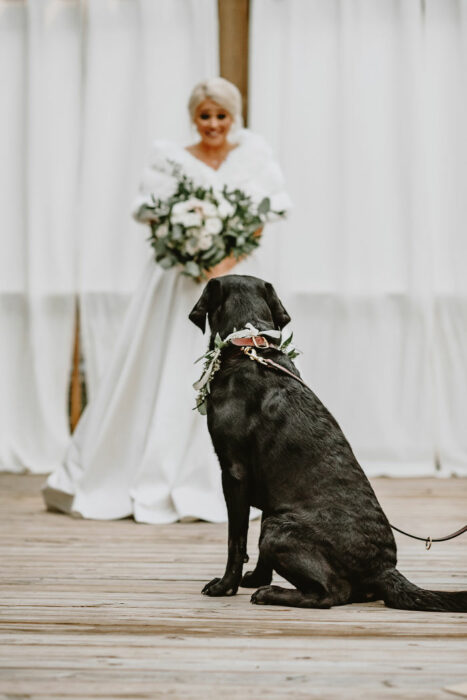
column 208, row 301
column 279, row 314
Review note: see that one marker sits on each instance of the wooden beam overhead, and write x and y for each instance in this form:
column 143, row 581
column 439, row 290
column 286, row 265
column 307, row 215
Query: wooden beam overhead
column 234, row 17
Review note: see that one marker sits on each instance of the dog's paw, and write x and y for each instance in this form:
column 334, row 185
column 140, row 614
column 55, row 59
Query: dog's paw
column 255, row 579
column 260, row 597
column 218, row 587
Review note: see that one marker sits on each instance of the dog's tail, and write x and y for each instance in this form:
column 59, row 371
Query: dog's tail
column 398, row 592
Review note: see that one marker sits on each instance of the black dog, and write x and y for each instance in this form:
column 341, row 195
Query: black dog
column 282, row 451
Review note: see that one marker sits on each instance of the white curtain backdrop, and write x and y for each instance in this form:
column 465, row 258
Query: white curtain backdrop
column 141, row 58
column 84, row 88
column 366, row 103
column 40, row 108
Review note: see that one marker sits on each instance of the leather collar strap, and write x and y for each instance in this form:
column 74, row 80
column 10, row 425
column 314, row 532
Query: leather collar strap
column 255, row 341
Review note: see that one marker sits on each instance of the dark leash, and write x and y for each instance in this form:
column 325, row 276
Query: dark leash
column 249, row 346
column 429, row 540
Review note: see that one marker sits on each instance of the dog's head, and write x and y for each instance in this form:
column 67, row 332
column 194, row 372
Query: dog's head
column 234, row 300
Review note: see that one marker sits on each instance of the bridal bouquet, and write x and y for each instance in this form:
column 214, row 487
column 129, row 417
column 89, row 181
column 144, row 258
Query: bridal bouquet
column 197, row 227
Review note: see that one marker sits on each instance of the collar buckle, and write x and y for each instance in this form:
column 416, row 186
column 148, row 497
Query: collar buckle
column 263, row 345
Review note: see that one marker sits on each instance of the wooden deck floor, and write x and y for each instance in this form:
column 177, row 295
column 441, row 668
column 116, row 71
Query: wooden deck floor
column 113, row 610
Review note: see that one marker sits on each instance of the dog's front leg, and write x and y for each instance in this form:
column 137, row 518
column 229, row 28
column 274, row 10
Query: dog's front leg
column 235, row 486
column 261, row 574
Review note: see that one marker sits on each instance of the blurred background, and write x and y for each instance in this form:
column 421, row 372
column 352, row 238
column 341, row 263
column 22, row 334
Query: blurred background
column 365, row 105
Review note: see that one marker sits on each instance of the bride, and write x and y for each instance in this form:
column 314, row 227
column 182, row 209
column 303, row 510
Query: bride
column 140, row 449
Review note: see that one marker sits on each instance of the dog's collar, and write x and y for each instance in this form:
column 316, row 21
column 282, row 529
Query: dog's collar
column 255, row 341
column 248, row 338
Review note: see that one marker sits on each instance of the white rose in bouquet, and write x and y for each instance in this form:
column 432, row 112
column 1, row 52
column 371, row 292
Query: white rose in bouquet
column 180, row 209
column 190, row 219
column 162, row 230
column 224, row 208
column 199, row 240
column 213, row 225
column 205, row 240
column 207, row 208
column 197, row 227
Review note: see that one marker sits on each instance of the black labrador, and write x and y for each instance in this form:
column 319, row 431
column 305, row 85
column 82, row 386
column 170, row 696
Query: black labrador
column 281, row 450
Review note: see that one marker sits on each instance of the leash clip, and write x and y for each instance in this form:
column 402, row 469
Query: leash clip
column 252, row 354
column 428, row 543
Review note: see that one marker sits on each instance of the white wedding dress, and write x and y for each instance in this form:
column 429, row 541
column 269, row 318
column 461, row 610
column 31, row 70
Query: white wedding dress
column 140, row 449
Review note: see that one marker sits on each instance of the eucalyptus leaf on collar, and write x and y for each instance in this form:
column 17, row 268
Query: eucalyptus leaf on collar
column 212, row 358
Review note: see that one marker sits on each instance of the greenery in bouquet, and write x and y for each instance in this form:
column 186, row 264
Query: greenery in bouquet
column 197, row 227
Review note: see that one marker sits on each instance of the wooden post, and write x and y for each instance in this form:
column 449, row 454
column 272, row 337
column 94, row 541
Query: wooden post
column 75, row 388
column 234, row 20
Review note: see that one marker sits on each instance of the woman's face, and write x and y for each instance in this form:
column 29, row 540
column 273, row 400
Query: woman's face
column 213, row 123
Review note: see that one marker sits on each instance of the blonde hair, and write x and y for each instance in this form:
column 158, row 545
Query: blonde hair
column 219, row 90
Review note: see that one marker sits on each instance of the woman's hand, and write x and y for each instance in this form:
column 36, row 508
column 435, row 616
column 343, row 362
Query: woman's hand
column 221, row 268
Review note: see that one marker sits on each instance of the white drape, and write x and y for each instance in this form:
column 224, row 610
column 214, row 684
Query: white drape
column 141, row 60
column 84, row 88
column 365, row 101
column 39, row 156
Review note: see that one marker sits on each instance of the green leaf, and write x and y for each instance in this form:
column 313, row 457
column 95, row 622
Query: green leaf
column 159, row 247
column 264, row 206
column 177, row 232
column 166, row 263
column 217, row 259
column 287, row 342
column 210, row 253
column 192, row 269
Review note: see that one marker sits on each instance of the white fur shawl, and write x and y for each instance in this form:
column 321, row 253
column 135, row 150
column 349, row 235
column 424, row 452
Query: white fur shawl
column 249, row 167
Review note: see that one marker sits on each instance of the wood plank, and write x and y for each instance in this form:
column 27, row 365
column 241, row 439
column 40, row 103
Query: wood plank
column 104, row 610
column 460, row 690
